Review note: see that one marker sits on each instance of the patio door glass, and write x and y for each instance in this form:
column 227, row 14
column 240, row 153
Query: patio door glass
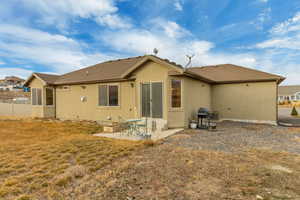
column 152, row 100
column 146, row 100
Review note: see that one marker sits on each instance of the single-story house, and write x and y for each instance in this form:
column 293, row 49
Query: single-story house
column 149, row 86
column 289, row 93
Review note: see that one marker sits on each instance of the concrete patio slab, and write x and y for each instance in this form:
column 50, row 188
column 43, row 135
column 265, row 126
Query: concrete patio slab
column 155, row 136
column 285, row 118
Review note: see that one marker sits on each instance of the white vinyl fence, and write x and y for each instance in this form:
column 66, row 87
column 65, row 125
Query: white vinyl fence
column 11, row 109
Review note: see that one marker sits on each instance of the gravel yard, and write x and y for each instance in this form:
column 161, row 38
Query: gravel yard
column 236, row 136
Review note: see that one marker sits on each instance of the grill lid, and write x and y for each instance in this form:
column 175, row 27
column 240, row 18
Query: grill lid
column 203, row 110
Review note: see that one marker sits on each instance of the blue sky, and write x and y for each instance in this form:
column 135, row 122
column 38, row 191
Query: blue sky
column 63, row 35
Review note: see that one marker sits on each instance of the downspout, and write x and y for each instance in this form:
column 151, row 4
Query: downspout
column 54, row 88
column 277, row 119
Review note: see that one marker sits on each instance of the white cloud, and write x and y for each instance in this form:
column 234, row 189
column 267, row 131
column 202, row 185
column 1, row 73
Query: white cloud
column 178, row 5
column 23, row 73
column 169, row 28
column 285, row 35
column 140, row 42
column 280, row 53
column 60, row 53
column 286, row 42
column 2, row 63
column 113, row 21
column 264, row 1
column 61, row 12
column 290, row 25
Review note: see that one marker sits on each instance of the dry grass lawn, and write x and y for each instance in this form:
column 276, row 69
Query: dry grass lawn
column 61, row 160
column 41, row 159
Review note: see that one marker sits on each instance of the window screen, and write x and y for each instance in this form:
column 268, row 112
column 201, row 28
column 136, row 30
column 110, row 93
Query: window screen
column 33, row 97
column 108, row 95
column 103, row 95
column 49, row 96
column 36, row 96
column 176, row 93
column 113, row 95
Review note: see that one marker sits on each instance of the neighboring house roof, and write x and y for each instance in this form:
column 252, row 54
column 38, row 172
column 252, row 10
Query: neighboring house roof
column 14, row 79
column 121, row 69
column 228, row 73
column 288, row 90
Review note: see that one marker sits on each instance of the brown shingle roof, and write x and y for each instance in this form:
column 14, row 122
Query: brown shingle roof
column 110, row 70
column 228, row 73
column 48, row 78
column 288, row 90
column 118, row 70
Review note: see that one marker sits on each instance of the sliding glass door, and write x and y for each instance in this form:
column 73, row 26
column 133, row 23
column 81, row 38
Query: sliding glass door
column 152, row 99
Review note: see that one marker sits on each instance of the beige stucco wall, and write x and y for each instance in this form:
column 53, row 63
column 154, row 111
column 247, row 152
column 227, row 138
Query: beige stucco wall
column 70, row 106
column 196, row 94
column 246, row 101
column 41, row 110
column 152, row 72
column 176, row 116
column 37, row 111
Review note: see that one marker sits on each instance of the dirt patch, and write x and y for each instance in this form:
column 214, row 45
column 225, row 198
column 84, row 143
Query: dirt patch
column 165, row 172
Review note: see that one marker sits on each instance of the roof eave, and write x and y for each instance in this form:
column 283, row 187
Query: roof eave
column 150, row 58
column 278, row 81
column 191, row 75
column 94, row 81
column 34, row 75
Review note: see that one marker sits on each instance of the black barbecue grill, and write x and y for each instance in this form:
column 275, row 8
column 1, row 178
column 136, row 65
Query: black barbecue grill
column 202, row 114
column 205, row 119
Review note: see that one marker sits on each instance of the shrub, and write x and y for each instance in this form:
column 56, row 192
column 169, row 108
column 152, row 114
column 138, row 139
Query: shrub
column 294, row 112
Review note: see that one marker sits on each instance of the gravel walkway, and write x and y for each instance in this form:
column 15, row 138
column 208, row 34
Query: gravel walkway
column 236, row 136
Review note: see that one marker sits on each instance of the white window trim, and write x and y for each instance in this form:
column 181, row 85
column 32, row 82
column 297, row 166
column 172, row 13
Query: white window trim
column 181, row 95
column 119, row 95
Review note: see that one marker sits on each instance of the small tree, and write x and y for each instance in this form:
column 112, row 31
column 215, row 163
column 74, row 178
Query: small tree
column 294, row 112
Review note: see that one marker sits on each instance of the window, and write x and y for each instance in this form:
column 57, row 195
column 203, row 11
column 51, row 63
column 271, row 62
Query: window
column 108, row 95
column 298, row 96
column 281, row 98
column 293, row 97
column 36, row 96
column 49, row 96
column 176, row 93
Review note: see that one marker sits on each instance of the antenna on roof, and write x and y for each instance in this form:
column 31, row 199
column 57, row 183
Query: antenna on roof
column 155, row 51
column 190, row 60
